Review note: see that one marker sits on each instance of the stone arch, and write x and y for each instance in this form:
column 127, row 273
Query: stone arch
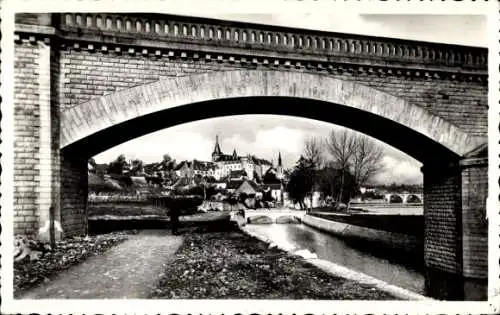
column 341, row 102
column 396, row 198
column 287, row 219
column 260, row 219
column 413, row 198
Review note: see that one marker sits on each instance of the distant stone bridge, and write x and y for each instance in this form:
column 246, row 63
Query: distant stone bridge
column 273, row 216
column 85, row 82
column 406, row 198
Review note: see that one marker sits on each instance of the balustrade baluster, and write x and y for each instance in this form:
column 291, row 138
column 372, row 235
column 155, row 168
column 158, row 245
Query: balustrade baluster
column 88, row 21
column 109, row 22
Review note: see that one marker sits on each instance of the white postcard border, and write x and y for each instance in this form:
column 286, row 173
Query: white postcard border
column 247, row 306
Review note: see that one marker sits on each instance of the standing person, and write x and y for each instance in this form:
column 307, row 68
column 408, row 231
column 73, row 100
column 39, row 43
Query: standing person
column 174, row 219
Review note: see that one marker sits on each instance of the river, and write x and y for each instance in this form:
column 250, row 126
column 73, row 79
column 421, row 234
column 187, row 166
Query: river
column 331, row 248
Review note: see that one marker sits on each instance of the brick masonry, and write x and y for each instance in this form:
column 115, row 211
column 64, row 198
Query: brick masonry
column 442, row 219
column 474, row 221
column 36, row 145
column 82, row 121
column 27, row 136
column 87, row 75
column 74, row 194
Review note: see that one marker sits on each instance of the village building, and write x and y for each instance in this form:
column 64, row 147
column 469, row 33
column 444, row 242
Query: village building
column 225, row 167
column 195, row 167
column 220, row 185
column 275, row 190
column 252, row 165
column 247, row 187
column 238, row 175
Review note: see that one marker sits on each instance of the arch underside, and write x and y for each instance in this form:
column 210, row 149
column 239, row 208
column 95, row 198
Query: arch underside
column 125, row 115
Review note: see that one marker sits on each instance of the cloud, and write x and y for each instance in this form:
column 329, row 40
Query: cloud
column 268, row 143
column 179, row 144
column 399, row 171
column 427, row 27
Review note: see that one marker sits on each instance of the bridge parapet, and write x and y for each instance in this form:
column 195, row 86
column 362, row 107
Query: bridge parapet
column 404, row 197
column 274, row 214
column 247, row 42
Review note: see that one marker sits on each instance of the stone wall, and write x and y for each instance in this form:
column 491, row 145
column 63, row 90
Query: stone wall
column 409, row 243
column 474, row 221
column 442, row 219
column 456, row 228
column 88, row 74
column 74, row 194
column 28, row 92
column 36, row 125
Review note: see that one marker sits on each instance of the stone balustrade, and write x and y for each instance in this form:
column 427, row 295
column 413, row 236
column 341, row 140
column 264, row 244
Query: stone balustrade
column 189, row 30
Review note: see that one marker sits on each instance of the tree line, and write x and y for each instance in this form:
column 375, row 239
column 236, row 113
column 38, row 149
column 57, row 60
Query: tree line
column 336, row 166
column 136, row 167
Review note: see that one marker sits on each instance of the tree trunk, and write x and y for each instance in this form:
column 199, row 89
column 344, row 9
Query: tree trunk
column 311, row 203
column 339, row 199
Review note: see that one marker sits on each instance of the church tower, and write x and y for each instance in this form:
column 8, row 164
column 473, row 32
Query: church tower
column 217, row 152
column 279, row 168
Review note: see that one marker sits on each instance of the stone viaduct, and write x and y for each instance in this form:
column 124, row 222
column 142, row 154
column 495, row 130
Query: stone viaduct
column 405, row 197
column 87, row 82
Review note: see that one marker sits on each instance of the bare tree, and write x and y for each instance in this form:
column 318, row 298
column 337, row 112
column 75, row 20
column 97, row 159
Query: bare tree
column 356, row 153
column 342, row 148
column 313, row 154
column 367, row 160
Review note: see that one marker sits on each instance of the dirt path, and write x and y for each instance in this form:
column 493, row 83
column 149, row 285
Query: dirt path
column 128, row 270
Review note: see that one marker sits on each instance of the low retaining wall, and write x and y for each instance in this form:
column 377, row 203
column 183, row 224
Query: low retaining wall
column 408, row 243
column 99, row 225
column 119, row 199
column 385, row 205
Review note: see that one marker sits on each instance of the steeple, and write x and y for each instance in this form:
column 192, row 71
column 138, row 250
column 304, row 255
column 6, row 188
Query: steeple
column 217, row 151
column 235, row 156
column 279, row 169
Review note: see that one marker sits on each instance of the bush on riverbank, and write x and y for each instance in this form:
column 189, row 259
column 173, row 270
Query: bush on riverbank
column 232, row 265
column 68, row 252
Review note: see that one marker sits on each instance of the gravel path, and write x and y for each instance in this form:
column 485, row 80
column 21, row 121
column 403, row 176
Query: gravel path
column 128, row 270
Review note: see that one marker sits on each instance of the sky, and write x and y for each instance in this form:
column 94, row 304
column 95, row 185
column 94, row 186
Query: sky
column 267, row 135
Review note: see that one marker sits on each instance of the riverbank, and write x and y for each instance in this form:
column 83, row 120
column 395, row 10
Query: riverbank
column 374, row 234
column 232, row 265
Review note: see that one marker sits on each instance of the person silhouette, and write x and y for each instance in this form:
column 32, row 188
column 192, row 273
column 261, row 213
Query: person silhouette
column 174, row 219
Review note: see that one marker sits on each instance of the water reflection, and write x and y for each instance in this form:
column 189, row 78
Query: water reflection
column 328, row 247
